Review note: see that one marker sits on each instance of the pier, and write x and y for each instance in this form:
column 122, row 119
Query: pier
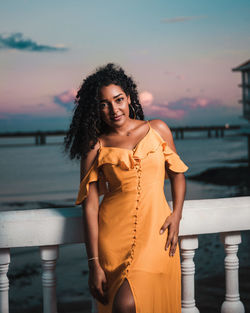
column 211, row 131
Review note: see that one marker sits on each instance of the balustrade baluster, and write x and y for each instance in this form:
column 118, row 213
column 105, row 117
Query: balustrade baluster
column 188, row 245
column 49, row 255
column 94, row 308
column 4, row 281
column 232, row 303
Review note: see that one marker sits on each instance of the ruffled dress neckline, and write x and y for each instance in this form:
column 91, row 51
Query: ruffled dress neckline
column 135, row 147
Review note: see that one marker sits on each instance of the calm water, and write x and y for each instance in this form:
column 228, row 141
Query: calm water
column 38, row 176
column 33, row 174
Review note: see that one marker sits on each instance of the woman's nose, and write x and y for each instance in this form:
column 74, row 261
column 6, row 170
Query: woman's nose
column 113, row 107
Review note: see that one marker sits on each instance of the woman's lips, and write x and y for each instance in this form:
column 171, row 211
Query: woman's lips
column 116, row 118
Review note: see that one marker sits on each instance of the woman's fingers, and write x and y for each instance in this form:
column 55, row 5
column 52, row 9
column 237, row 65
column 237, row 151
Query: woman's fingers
column 169, row 240
column 98, row 294
column 172, row 240
column 99, row 291
column 98, row 284
column 164, row 226
column 173, row 230
column 173, row 245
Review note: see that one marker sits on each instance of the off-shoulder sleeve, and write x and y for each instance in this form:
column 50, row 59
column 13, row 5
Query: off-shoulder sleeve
column 174, row 162
column 93, row 174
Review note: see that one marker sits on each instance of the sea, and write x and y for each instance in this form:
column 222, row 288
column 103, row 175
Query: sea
column 33, row 176
column 42, row 176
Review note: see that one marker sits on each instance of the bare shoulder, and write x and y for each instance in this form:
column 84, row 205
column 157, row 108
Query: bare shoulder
column 87, row 162
column 162, row 128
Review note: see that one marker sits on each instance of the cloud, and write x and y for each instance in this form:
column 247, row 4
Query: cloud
column 187, row 104
column 17, row 42
column 66, row 99
column 183, row 107
column 162, row 111
column 181, row 19
column 146, row 98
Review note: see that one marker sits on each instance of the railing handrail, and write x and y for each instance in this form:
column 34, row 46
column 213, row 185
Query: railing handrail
column 55, row 226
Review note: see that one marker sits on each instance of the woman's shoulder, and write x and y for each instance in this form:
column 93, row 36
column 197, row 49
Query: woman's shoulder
column 163, row 129
column 87, row 162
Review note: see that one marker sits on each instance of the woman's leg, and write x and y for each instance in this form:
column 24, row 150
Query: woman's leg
column 124, row 300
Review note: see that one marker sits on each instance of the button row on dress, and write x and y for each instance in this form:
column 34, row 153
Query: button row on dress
column 138, row 169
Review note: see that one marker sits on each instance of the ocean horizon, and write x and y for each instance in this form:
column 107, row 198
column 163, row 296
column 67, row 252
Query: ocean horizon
column 43, row 173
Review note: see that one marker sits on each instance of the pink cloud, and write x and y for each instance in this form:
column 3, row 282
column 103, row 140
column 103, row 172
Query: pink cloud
column 193, row 103
column 146, row 98
column 66, row 99
column 180, row 108
column 164, row 112
column 67, row 96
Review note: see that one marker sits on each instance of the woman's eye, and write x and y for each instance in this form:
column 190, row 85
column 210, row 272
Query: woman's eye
column 119, row 99
column 103, row 104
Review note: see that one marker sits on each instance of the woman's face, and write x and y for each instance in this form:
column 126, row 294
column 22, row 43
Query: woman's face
column 114, row 104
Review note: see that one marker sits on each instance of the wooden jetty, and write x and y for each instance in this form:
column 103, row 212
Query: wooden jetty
column 40, row 136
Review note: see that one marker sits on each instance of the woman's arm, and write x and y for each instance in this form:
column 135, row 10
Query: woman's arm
column 90, row 206
column 178, row 190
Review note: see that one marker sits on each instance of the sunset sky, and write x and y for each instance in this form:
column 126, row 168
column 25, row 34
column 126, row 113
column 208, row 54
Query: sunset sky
column 180, row 53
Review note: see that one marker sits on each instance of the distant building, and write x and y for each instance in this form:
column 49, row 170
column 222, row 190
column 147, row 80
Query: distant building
column 245, row 72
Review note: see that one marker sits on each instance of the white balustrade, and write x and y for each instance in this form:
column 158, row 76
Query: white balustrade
column 188, row 245
column 49, row 255
column 94, row 308
column 4, row 281
column 49, row 228
column 232, row 303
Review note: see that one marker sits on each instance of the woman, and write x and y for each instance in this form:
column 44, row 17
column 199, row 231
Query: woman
column 132, row 235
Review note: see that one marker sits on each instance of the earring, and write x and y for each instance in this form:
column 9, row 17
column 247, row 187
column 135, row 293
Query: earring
column 133, row 110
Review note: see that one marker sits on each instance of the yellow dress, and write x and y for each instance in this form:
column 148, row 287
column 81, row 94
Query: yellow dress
column 131, row 214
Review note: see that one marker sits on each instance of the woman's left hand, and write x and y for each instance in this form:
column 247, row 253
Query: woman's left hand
column 172, row 223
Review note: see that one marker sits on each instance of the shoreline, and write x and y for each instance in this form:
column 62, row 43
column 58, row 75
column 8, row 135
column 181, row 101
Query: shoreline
column 230, row 176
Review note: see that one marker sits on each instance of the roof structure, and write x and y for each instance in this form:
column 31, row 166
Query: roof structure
column 243, row 67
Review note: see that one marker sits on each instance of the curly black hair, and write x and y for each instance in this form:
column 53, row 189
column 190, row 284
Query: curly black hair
column 86, row 125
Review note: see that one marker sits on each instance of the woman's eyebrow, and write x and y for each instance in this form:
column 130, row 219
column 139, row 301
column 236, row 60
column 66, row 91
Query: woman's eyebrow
column 120, row 94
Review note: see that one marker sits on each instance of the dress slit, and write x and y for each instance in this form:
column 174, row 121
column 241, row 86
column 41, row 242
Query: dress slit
column 131, row 290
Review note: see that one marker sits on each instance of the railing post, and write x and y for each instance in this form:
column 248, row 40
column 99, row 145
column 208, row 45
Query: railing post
column 94, row 307
column 232, row 303
column 4, row 281
column 49, row 255
column 188, row 244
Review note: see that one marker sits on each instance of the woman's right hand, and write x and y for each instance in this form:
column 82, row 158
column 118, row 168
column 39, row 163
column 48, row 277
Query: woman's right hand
column 98, row 283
